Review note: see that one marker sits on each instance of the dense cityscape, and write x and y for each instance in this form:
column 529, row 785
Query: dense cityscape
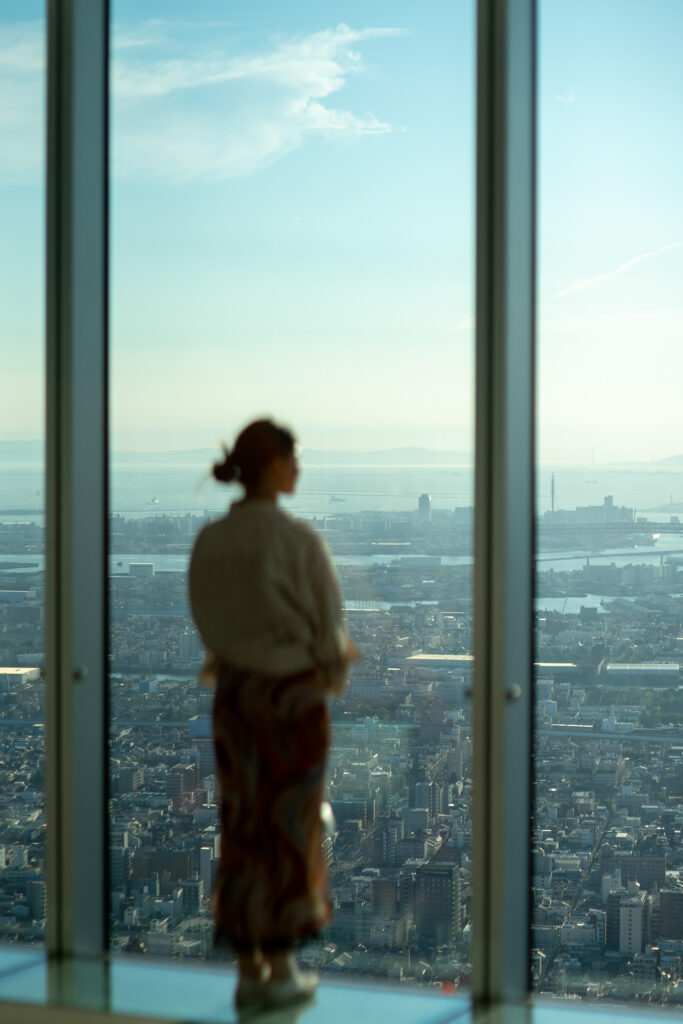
column 608, row 826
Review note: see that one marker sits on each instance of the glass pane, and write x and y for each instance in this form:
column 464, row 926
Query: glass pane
column 22, row 498
column 292, row 223
column 609, row 802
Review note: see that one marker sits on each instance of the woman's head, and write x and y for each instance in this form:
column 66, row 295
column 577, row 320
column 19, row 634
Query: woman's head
column 262, row 447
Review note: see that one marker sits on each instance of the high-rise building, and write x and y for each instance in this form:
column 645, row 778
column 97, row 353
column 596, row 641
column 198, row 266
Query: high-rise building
column 612, row 930
column 649, row 872
column 633, row 924
column 120, row 860
column 206, row 867
column 671, row 913
column 36, row 899
column 427, row 794
column 424, row 508
column 437, row 903
column 193, row 892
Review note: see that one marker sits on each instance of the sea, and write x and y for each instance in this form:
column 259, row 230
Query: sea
column 325, row 491
column 150, row 488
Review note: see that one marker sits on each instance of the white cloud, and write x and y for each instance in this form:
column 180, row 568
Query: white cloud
column 151, row 33
column 170, row 119
column 270, row 103
column 591, row 282
column 314, row 65
column 566, row 97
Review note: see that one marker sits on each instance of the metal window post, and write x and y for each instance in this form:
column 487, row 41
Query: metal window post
column 76, row 540
column 504, row 549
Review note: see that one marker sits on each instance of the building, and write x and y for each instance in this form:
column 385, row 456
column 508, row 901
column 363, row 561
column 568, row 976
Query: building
column 193, row 893
column 655, row 674
column 648, row 872
column 385, row 896
column 10, row 678
column 36, row 897
column 671, row 913
column 424, row 509
column 613, row 919
column 437, row 903
column 145, row 570
column 633, row 924
column 130, row 779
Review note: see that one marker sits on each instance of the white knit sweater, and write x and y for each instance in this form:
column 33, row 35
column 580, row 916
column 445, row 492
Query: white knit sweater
column 265, row 597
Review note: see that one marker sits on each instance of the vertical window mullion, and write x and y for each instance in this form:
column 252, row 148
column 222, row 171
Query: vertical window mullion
column 504, row 498
column 76, row 541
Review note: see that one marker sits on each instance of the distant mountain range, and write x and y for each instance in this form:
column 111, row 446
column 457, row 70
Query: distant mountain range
column 309, row 457
column 673, row 460
column 407, row 456
column 33, row 452
column 21, row 451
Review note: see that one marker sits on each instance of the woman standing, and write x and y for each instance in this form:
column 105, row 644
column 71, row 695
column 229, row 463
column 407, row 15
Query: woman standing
column 266, row 602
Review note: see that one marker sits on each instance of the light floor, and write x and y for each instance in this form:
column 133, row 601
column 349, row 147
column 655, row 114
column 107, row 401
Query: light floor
column 83, row 992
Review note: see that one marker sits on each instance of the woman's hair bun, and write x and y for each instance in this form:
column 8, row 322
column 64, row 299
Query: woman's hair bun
column 255, row 448
column 225, row 471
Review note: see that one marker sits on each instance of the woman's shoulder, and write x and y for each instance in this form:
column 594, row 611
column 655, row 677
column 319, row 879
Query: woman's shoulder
column 299, row 533
column 267, row 523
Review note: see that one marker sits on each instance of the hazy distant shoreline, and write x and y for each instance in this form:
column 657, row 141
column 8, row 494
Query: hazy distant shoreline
column 31, row 453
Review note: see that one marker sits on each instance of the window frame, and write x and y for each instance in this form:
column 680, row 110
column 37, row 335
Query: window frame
column 77, row 465
column 76, row 485
column 504, row 499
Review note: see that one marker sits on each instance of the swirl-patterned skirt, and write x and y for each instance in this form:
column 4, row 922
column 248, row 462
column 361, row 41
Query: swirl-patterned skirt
column 271, row 738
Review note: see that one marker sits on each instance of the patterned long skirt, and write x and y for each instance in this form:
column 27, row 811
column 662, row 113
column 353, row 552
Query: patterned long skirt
column 271, row 738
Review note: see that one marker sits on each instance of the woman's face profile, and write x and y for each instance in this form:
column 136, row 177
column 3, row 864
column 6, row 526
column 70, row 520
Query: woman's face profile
column 285, row 469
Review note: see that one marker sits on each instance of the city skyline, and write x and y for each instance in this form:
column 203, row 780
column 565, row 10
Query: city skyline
column 607, row 845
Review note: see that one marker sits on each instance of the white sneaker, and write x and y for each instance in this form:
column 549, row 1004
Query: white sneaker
column 250, row 996
column 299, row 987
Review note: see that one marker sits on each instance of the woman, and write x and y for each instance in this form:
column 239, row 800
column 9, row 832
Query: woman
column 267, row 605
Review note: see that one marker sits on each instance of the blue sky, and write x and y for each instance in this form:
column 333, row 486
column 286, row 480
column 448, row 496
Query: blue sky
column 292, row 223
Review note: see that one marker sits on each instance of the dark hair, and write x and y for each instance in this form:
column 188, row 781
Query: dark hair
column 254, row 449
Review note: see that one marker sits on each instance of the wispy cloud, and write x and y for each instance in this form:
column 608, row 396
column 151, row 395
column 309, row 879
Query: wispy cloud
column 185, row 108
column 591, row 282
column 566, row 97
column 149, row 33
column 253, row 109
